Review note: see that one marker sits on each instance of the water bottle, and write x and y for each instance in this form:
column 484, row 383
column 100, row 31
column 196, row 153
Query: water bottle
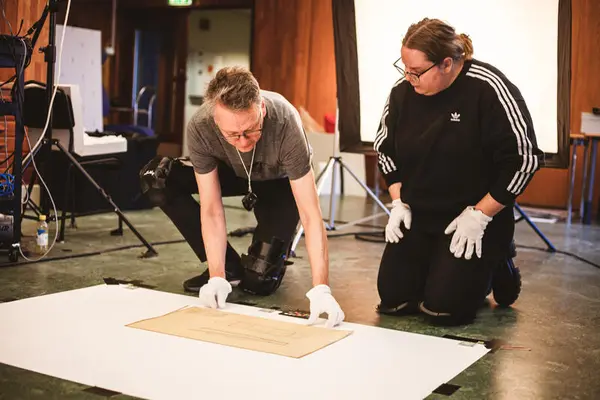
column 42, row 236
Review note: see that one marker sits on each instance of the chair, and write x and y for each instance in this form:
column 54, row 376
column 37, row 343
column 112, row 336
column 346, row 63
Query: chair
column 144, row 116
column 142, row 113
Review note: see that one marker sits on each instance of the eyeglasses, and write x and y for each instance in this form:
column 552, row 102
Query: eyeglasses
column 249, row 134
column 412, row 76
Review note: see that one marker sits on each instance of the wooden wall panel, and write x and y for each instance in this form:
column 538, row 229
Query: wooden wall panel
column 321, row 87
column 549, row 187
column 293, row 52
column 10, row 8
column 30, row 11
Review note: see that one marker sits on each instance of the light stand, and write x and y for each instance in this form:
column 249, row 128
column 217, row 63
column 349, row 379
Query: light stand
column 524, row 216
column 44, row 150
column 334, row 161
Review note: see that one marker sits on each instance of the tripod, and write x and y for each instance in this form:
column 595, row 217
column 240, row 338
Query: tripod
column 47, row 142
column 334, row 161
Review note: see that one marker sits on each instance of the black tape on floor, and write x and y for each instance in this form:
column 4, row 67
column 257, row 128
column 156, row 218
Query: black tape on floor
column 101, row 392
column 492, row 344
column 446, row 389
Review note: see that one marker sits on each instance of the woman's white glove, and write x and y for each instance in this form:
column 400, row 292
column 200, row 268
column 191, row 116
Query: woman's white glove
column 468, row 230
column 322, row 301
column 214, row 293
column 400, row 214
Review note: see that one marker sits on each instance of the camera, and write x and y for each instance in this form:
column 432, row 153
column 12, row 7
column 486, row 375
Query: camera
column 249, row 201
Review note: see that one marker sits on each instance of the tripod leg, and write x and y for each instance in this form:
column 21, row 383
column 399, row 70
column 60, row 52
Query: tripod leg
column 319, row 181
column 34, row 207
column 524, row 216
column 73, row 205
column 150, row 252
column 63, row 217
column 366, row 188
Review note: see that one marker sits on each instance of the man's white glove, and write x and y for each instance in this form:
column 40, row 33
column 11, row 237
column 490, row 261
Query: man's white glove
column 468, row 230
column 321, row 301
column 400, row 213
column 215, row 292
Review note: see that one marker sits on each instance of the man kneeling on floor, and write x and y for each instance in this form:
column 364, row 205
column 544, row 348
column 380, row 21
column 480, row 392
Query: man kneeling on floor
column 248, row 142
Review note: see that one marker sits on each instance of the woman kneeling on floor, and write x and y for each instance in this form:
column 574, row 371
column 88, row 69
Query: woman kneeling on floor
column 456, row 147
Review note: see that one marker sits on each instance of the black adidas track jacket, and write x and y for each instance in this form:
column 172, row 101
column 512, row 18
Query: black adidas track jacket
column 451, row 149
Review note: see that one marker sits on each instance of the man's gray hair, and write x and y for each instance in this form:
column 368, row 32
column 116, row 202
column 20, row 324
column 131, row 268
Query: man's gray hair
column 233, row 87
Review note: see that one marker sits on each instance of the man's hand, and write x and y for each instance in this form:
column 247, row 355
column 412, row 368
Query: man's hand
column 400, row 214
column 214, row 293
column 468, row 230
column 321, row 301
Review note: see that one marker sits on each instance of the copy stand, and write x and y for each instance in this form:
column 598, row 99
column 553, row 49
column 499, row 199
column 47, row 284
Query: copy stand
column 46, row 146
column 331, row 168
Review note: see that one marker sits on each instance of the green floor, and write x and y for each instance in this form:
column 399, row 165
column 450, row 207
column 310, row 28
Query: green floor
column 556, row 321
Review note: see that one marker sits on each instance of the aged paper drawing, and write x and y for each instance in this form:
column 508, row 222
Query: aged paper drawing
column 243, row 331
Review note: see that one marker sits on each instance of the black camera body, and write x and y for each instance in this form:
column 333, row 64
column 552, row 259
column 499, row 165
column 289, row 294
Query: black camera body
column 249, row 201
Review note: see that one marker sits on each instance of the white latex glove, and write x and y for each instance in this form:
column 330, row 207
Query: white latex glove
column 215, row 292
column 321, row 301
column 468, row 230
column 400, row 213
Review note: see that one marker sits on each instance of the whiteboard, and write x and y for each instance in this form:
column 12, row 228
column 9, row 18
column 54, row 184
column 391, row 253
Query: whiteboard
column 519, row 37
column 81, row 64
column 81, row 336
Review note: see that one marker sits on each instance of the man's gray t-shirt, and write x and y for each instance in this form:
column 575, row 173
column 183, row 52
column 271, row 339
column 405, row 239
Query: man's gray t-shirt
column 282, row 150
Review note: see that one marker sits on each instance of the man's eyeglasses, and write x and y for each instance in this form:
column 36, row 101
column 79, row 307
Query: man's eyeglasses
column 412, row 76
column 249, row 134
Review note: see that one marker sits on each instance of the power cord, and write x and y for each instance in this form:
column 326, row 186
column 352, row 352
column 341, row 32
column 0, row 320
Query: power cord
column 7, row 184
column 566, row 253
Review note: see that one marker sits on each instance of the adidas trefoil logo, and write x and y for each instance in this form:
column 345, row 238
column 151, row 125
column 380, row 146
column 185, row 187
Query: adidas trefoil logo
column 455, row 117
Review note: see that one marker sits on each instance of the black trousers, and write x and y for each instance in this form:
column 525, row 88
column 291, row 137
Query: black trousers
column 420, row 273
column 275, row 211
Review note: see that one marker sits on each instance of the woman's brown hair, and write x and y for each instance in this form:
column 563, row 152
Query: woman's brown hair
column 438, row 40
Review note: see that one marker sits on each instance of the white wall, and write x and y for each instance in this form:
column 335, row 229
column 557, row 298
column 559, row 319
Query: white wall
column 81, row 64
column 226, row 42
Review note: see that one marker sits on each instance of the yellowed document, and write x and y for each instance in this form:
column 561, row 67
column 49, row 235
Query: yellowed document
column 243, row 331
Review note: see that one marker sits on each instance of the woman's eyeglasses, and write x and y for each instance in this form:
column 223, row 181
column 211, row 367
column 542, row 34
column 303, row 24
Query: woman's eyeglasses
column 412, row 76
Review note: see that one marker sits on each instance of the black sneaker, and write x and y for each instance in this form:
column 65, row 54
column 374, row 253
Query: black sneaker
column 233, row 274
column 506, row 283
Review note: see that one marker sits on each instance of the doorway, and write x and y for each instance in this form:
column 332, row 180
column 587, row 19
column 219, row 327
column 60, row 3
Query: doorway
column 217, row 38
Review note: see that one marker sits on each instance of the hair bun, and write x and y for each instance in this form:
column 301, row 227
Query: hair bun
column 467, row 45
